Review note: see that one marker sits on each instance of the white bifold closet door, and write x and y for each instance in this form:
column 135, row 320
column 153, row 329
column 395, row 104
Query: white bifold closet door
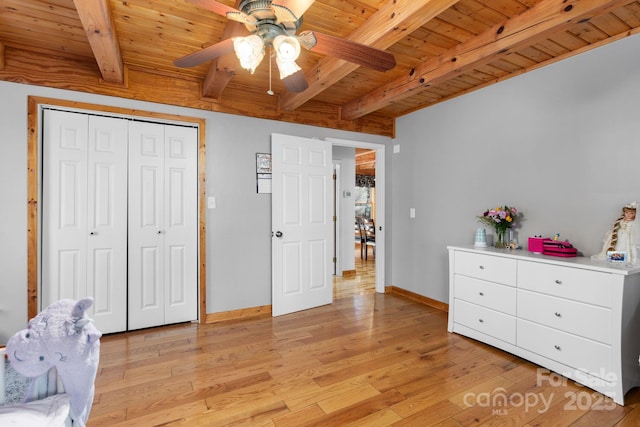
column 163, row 224
column 120, row 218
column 84, row 214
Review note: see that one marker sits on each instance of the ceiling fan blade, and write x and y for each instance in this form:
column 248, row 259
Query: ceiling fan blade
column 224, row 10
column 358, row 53
column 296, row 82
column 290, row 10
column 206, row 54
column 214, row 6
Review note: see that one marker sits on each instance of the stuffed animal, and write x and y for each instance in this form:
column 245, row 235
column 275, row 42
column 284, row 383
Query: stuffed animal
column 62, row 339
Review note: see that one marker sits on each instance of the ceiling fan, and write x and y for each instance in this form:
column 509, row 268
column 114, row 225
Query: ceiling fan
column 273, row 24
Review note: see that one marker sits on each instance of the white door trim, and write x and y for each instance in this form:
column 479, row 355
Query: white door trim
column 336, row 211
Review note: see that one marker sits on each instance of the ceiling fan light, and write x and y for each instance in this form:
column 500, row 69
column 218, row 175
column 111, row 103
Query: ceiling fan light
column 286, row 68
column 287, row 47
column 249, row 50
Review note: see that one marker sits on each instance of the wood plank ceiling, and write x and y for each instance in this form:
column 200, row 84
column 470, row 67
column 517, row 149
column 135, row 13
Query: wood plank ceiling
column 443, row 49
column 365, row 161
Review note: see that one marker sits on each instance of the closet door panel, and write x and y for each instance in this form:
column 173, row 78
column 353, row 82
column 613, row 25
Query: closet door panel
column 150, row 272
column 181, row 239
column 146, row 225
column 64, row 201
column 107, row 222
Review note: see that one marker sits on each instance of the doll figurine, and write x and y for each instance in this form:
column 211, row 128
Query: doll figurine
column 623, row 236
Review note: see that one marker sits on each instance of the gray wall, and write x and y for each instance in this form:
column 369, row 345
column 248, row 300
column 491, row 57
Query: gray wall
column 346, row 157
column 561, row 143
column 238, row 230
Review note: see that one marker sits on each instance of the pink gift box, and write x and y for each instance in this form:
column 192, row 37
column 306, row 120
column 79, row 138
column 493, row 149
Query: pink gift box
column 535, row 244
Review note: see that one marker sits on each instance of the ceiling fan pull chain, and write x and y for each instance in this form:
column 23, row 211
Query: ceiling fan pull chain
column 270, row 92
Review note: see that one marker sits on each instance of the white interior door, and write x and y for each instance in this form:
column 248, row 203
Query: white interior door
column 84, row 236
column 302, row 225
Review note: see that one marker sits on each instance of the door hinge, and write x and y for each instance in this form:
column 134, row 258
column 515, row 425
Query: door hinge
column 335, row 218
column 335, row 259
column 335, row 176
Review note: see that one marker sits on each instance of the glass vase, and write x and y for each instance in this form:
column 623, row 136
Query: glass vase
column 501, row 239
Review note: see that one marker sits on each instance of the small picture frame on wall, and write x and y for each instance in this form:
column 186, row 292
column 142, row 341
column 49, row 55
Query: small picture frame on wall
column 616, row 256
column 263, row 163
column 263, row 173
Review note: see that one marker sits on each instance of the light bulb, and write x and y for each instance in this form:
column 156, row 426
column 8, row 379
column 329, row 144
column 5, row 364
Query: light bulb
column 287, row 47
column 249, row 50
column 286, row 68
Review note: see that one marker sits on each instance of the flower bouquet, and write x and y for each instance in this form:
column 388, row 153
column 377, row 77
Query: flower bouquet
column 501, row 219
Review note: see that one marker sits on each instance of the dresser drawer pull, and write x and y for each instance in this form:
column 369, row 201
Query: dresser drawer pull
column 557, row 347
column 559, row 282
column 482, row 267
column 481, row 294
column 481, row 320
column 558, row 314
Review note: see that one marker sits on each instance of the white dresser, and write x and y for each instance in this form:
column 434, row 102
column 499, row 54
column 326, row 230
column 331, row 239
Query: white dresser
column 573, row 316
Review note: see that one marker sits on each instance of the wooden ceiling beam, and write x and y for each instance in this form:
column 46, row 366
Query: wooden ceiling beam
column 98, row 24
column 1, row 56
column 537, row 23
column 390, row 24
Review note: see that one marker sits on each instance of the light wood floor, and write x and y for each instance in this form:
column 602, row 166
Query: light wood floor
column 364, row 281
column 367, row 360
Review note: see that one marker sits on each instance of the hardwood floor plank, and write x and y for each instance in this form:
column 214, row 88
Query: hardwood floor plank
column 363, row 364
column 297, row 418
column 312, row 395
column 260, row 413
column 381, row 418
column 430, row 415
column 357, row 411
column 152, row 395
column 340, row 401
column 108, row 418
column 161, row 417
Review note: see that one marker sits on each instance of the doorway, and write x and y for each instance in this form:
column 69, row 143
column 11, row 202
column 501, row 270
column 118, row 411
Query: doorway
column 345, row 242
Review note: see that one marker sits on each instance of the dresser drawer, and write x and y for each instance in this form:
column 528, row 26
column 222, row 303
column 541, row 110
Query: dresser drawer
column 487, row 321
column 576, row 352
column 486, row 267
column 586, row 320
column 593, row 287
column 487, row 294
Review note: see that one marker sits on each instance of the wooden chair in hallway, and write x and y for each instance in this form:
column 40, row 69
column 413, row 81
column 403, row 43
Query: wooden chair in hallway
column 368, row 228
column 359, row 236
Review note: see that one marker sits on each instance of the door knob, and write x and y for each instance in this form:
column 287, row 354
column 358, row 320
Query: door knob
column 278, row 233
column 93, row 233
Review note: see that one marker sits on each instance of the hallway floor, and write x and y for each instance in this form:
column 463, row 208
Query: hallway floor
column 363, row 283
